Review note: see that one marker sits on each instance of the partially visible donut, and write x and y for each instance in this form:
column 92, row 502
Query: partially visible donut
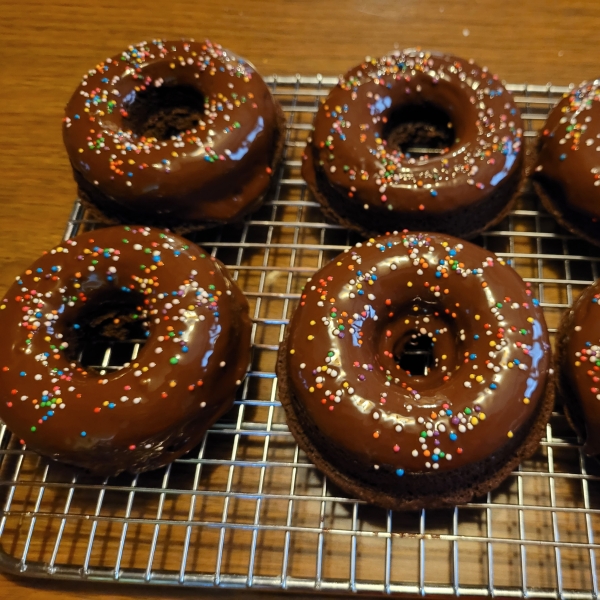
column 578, row 360
column 455, row 427
column 567, row 172
column 357, row 164
column 174, row 133
column 158, row 406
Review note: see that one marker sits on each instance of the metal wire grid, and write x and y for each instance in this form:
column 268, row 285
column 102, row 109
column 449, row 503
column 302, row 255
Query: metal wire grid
column 246, row 509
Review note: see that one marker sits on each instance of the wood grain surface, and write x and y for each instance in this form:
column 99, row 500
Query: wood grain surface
column 46, row 47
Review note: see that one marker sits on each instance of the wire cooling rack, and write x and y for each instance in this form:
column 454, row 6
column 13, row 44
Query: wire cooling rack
column 246, row 508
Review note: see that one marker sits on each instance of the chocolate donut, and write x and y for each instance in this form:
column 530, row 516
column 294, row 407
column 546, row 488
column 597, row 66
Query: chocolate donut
column 104, row 284
column 414, row 371
column 180, row 134
column 567, row 172
column 578, row 360
column 369, row 160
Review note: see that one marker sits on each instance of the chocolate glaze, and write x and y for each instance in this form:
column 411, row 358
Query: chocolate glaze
column 568, row 150
column 348, row 146
column 158, row 406
column 215, row 172
column 579, row 353
column 491, row 354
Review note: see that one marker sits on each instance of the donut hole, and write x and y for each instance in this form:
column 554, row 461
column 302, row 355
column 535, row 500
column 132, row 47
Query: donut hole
column 108, row 331
column 415, row 355
column 419, row 129
column 164, row 112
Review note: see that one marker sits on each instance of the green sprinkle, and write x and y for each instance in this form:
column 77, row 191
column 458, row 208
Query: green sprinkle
column 174, row 360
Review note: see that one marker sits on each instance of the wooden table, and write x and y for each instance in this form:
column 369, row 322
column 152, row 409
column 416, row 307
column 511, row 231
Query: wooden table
column 47, row 46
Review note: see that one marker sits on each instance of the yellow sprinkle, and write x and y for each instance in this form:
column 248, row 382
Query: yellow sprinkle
column 415, row 308
column 2, row 306
column 144, row 369
column 409, row 284
column 530, row 319
column 310, row 338
column 492, row 343
column 47, row 338
column 479, row 378
column 472, row 376
column 311, row 389
column 172, row 383
column 312, row 322
column 509, row 434
column 577, row 363
column 477, row 317
column 292, row 351
column 526, row 400
column 346, row 384
column 105, row 403
column 482, row 416
column 338, row 263
column 474, row 420
column 76, row 285
column 444, row 357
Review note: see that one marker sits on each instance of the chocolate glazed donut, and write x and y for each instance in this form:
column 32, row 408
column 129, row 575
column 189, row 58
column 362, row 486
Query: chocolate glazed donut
column 160, row 404
column 578, row 360
column 370, row 160
column 414, row 371
column 177, row 133
column 567, row 173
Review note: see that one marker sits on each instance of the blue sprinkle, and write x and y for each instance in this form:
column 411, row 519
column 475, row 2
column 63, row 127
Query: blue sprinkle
column 435, row 458
column 563, row 156
column 44, row 418
column 83, row 434
column 22, row 373
column 77, row 116
column 493, row 386
column 54, row 269
column 39, row 270
column 453, row 437
column 536, row 302
column 448, row 412
column 50, row 413
column 438, row 274
column 360, row 292
column 472, row 356
column 452, row 253
column 399, row 472
column 433, row 192
column 184, row 349
column 111, row 405
column 76, row 326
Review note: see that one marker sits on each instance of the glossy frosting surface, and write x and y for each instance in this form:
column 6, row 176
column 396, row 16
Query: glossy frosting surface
column 212, row 172
column 490, row 352
column 183, row 379
column 348, row 145
column 580, row 360
column 569, row 152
